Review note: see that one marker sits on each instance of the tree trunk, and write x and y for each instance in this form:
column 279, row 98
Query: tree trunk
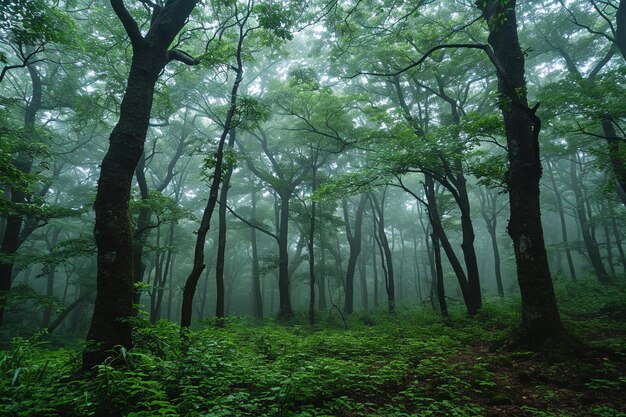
column 385, row 252
column 23, row 163
column 441, row 293
column 354, row 240
column 540, row 316
column 442, row 239
column 490, row 215
column 311, row 245
column 110, row 326
column 205, row 224
column 321, row 282
column 284, row 308
column 47, row 313
column 617, row 234
column 588, row 238
column 257, row 299
column 559, row 208
column 374, row 269
column 363, row 281
column 221, row 239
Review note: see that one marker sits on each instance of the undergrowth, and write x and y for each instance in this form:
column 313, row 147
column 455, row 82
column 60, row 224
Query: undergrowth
column 408, row 364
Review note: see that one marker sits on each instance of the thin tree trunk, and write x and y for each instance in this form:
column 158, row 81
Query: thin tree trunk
column 354, row 240
column 588, row 238
column 385, row 252
column 205, row 224
column 617, row 234
column 560, row 210
column 221, row 239
column 257, row 299
column 441, row 293
column 311, row 246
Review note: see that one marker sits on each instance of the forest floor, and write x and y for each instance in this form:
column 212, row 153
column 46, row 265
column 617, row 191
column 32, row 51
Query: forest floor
column 408, row 364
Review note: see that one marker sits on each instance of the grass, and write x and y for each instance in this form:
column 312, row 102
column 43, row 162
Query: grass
column 409, row 364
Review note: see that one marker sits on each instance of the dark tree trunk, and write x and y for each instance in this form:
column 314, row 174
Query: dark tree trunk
column 540, row 316
column 285, row 311
column 591, row 245
column 385, row 252
column 354, row 241
column 321, row 282
column 257, row 299
column 561, row 211
column 620, row 28
column 490, row 215
column 160, row 280
column 363, row 281
column 617, row 155
column 221, row 238
column 617, row 234
column 141, row 229
column 23, row 163
column 47, row 313
column 311, row 244
column 442, row 239
column 110, row 325
column 467, row 244
column 205, row 224
column 416, row 268
column 441, row 292
column 374, row 269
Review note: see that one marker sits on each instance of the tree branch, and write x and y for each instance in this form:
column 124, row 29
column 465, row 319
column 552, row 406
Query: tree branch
column 254, row 226
column 130, row 25
column 178, row 55
column 481, row 46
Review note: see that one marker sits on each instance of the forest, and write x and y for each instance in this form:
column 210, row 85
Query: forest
column 313, row 208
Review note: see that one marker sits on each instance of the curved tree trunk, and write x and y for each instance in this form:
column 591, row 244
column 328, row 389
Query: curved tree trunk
column 110, row 326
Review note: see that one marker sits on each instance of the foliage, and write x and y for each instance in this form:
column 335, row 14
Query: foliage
column 411, row 364
column 33, row 22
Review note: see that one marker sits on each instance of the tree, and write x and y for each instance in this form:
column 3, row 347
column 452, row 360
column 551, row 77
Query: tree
column 110, row 325
column 540, row 316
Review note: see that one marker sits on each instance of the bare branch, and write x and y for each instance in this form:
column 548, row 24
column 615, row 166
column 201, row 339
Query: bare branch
column 481, row 46
column 249, row 223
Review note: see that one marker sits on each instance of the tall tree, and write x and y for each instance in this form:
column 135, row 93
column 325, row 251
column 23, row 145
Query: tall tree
column 540, row 316
column 110, row 326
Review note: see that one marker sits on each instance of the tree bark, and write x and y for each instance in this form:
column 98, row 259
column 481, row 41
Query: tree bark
column 540, row 316
column 441, row 292
column 385, row 252
column 221, row 238
column 354, row 240
column 561, row 211
column 257, row 299
column 311, row 244
column 588, row 238
column 285, row 311
column 110, row 326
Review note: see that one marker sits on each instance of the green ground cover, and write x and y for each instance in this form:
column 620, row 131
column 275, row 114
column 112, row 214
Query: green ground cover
column 409, row 364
